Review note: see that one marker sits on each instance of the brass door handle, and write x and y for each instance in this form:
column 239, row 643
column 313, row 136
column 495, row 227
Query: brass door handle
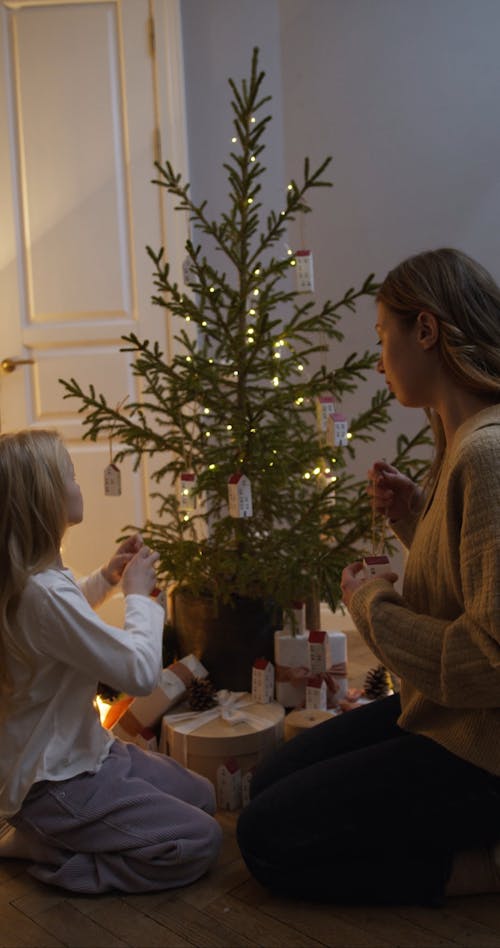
column 9, row 365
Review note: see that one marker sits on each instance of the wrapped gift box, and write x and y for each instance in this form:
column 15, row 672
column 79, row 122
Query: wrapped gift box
column 292, row 661
column 145, row 712
column 238, row 729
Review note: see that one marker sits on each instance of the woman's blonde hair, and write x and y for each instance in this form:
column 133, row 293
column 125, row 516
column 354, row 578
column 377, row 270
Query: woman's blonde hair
column 465, row 300
column 32, row 516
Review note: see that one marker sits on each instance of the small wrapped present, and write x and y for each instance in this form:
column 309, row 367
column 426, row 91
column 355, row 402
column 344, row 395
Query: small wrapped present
column 237, row 729
column 146, row 712
column 293, row 655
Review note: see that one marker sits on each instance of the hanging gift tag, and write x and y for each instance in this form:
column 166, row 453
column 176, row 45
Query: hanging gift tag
column 112, row 481
column 337, row 428
column 304, row 271
column 376, row 565
column 325, row 408
column 187, row 499
column 240, row 496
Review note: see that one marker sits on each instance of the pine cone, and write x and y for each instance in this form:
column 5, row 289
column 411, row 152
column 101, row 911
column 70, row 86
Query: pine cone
column 378, row 683
column 201, row 694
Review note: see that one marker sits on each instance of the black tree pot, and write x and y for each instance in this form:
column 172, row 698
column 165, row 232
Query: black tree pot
column 226, row 638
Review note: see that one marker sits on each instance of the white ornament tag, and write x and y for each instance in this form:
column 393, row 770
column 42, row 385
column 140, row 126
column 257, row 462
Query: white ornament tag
column 375, row 565
column 338, row 427
column 112, row 481
column 325, row 408
column 263, row 681
column 187, row 487
column 240, row 496
column 304, row 271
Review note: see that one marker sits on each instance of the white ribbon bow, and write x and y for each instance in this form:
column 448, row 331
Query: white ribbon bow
column 230, row 708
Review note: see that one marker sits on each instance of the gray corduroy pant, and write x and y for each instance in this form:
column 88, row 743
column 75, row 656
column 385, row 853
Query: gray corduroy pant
column 141, row 823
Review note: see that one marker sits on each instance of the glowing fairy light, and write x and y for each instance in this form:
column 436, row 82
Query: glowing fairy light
column 276, row 381
column 251, row 312
column 290, row 187
column 234, row 139
column 212, row 289
column 253, row 120
column 300, row 367
column 229, row 427
column 299, row 400
column 250, row 201
column 257, row 272
column 206, row 411
column 293, row 263
column 188, row 319
column 188, row 359
column 211, row 467
column 317, row 470
column 250, row 331
column 307, row 476
column 276, row 355
column 253, row 158
column 256, row 292
column 349, row 435
column 204, row 323
column 290, row 252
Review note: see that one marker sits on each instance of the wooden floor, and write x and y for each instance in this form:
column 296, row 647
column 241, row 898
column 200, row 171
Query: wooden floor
column 227, row 908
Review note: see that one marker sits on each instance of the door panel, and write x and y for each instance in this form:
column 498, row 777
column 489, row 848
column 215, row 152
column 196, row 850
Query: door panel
column 77, row 100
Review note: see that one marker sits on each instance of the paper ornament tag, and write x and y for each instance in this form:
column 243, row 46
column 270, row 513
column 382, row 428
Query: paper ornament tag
column 325, row 408
column 337, row 428
column 263, row 681
column 240, row 496
column 112, row 481
column 304, row 271
column 375, row 565
column 229, row 785
column 316, row 694
column 318, row 652
column 187, row 491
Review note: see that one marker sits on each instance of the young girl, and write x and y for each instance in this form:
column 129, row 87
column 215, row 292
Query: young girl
column 399, row 801
column 90, row 812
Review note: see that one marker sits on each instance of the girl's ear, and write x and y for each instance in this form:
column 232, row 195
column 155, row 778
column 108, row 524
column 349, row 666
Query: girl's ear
column 427, row 329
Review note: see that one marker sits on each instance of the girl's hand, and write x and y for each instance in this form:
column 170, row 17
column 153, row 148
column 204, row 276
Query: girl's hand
column 139, row 575
column 353, row 577
column 392, row 493
column 113, row 571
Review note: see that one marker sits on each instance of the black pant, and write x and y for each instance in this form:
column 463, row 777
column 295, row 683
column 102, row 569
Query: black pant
column 357, row 810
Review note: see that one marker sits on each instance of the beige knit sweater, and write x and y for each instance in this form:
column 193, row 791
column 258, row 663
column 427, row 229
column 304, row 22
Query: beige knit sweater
column 442, row 636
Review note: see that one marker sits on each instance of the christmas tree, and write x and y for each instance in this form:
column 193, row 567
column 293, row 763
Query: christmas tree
column 255, row 494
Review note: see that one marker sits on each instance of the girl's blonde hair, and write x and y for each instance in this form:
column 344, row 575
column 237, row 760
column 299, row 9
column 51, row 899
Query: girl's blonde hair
column 32, row 517
column 465, row 300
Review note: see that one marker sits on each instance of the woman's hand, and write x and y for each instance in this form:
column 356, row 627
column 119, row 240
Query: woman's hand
column 113, row 571
column 353, row 577
column 392, row 493
column 139, row 575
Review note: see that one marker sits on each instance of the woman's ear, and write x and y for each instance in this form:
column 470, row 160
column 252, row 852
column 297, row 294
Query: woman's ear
column 427, row 329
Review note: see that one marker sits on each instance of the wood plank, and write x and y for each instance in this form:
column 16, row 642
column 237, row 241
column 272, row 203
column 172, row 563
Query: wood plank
column 380, row 922
column 450, row 924
column 115, row 914
column 258, row 926
column 481, row 908
column 75, row 930
column 322, row 923
column 17, row 930
column 199, row 928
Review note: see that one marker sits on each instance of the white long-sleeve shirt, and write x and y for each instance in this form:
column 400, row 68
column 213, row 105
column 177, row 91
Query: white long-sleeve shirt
column 50, row 728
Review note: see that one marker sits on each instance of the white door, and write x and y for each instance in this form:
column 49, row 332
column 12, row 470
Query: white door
column 82, row 98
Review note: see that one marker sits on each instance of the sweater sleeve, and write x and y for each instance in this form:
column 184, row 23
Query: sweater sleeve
column 95, row 588
column 452, row 661
column 67, row 628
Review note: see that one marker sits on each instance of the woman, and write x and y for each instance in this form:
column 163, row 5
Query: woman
column 399, row 801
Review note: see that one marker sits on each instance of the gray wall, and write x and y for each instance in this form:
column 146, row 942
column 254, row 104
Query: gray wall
column 403, row 93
